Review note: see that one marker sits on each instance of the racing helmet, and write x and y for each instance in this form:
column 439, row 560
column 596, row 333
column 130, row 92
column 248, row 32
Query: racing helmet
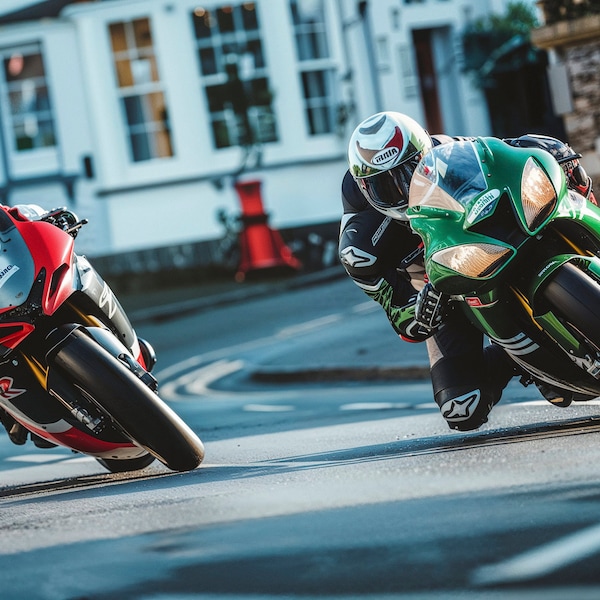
column 383, row 153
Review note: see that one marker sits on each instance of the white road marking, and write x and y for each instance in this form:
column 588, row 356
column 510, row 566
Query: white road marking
column 543, row 560
column 38, row 458
column 198, row 381
column 308, row 326
column 364, row 307
column 268, row 407
column 376, row 406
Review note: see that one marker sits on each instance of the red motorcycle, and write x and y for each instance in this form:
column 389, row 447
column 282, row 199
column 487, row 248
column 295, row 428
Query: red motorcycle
column 72, row 370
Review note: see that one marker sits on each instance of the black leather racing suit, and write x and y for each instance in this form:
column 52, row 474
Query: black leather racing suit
column 384, row 258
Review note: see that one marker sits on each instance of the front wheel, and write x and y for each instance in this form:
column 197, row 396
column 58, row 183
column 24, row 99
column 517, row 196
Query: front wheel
column 575, row 296
column 131, row 405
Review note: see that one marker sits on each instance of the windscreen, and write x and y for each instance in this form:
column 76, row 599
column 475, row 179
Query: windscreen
column 448, row 177
column 16, row 265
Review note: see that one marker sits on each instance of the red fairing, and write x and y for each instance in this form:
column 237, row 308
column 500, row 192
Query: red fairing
column 51, row 249
column 79, row 440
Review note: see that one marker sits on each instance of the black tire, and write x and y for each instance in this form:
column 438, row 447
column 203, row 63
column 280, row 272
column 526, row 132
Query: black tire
column 136, row 409
column 575, row 296
column 129, row 464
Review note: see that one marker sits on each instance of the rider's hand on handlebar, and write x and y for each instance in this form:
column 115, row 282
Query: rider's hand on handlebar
column 430, row 307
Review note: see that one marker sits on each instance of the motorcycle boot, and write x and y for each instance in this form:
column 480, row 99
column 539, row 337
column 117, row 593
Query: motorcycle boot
column 40, row 442
column 16, row 432
column 468, row 385
column 554, row 396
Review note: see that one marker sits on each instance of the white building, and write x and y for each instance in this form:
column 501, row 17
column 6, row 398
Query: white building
column 124, row 110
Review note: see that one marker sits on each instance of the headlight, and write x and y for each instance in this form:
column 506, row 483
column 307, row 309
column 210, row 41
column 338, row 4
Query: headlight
column 473, row 260
column 537, row 194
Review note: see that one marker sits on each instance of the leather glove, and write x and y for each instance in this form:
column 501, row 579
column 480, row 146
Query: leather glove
column 430, row 307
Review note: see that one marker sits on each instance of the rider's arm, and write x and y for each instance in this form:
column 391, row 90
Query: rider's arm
column 371, row 247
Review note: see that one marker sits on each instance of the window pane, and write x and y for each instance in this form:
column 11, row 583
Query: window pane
column 28, row 100
column 140, row 147
column 134, row 110
column 155, row 107
column 19, row 67
column 144, row 70
column 142, row 33
column 309, row 26
column 260, row 92
column 255, row 49
column 124, row 75
column 221, row 134
column 249, row 16
column 319, row 101
column 208, row 61
column 314, row 84
column 319, row 120
column 225, row 19
column 202, row 19
column 117, row 37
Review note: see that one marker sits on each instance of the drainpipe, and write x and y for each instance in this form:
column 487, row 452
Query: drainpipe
column 363, row 11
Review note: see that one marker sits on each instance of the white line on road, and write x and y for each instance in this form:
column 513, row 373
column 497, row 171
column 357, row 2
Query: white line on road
column 543, row 560
column 268, row 407
column 376, row 406
column 301, row 328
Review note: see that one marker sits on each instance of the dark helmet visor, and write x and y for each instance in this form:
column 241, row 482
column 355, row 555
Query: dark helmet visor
column 389, row 189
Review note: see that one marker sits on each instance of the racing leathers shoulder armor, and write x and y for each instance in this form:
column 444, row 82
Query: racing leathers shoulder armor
column 384, row 258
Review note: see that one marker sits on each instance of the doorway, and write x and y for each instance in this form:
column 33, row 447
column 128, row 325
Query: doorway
column 422, row 41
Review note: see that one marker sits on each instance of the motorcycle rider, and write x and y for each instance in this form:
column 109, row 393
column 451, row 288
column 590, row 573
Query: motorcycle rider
column 384, row 257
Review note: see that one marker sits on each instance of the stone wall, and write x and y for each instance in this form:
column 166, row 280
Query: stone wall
column 583, row 124
column 576, row 44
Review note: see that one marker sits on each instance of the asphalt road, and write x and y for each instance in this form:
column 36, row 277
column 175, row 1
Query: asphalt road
column 323, row 488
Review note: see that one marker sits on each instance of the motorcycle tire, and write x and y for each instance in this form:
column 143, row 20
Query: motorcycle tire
column 129, row 464
column 575, row 296
column 131, row 405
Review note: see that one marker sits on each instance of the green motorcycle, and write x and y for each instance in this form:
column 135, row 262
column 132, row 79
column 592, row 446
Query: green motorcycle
column 518, row 252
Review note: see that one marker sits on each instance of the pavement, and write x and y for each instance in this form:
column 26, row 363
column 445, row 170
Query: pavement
column 367, row 351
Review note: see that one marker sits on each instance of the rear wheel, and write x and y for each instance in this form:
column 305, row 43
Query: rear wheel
column 131, row 405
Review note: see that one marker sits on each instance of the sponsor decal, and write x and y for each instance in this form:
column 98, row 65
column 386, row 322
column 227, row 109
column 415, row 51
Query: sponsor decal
column 107, row 300
column 462, row 407
column 385, row 156
column 377, row 235
column 7, row 272
column 7, row 391
column 548, row 266
column 519, row 344
column 477, row 303
column 483, row 203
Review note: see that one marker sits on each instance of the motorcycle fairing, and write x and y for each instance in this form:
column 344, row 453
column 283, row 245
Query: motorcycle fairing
column 451, row 209
column 92, row 286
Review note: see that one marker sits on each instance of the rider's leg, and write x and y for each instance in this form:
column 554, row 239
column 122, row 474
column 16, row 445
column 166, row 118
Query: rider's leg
column 467, row 378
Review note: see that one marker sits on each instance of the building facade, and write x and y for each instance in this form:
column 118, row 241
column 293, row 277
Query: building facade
column 140, row 114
